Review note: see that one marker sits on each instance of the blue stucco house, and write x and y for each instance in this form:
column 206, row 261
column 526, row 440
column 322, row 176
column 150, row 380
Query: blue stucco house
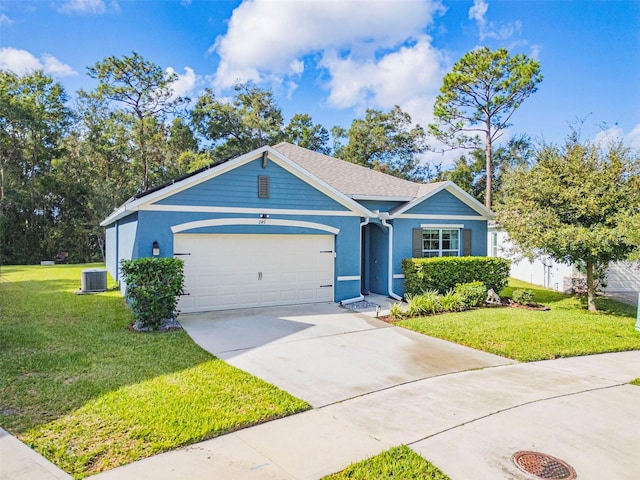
column 286, row 225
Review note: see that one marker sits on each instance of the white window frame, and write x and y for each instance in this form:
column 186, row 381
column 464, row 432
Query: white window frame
column 494, row 244
column 441, row 228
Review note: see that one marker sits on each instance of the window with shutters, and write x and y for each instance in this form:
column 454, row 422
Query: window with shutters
column 440, row 242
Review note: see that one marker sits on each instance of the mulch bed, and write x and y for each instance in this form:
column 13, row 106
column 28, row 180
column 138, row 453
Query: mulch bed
column 507, row 302
column 166, row 326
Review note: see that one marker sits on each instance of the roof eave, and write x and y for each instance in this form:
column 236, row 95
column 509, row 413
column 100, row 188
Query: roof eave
column 116, row 215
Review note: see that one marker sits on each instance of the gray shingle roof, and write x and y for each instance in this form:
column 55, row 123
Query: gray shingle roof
column 351, row 179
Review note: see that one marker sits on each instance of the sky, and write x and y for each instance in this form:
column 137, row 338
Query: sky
column 333, row 59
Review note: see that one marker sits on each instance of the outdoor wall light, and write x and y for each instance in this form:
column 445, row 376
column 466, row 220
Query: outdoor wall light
column 155, row 250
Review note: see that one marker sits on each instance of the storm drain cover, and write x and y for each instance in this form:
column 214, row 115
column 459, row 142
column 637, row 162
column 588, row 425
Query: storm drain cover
column 544, row 466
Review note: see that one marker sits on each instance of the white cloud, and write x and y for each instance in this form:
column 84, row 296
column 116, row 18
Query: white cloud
column 478, row 13
column 21, row 62
column 535, row 51
column 633, row 137
column 5, row 21
column 55, row 67
column 611, row 134
column 88, row 7
column 18, row 61
column 296, row 67
column 403, row 77
column 84, row 7
column 184, row 83
column 270, row 39
column 115, row 6
column 616, row 134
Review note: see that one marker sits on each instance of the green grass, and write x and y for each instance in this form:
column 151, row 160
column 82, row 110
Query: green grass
column 89, row 394
column 568, row 329
column 400, row 463
column 636, row 382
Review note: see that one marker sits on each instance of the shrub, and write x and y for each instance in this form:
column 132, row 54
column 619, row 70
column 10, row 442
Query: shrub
column 443, row 273
column 397, row 311
column 523, row 297
column 153, row 287
column 452, row 301
column 426, row 304
column 473, row 294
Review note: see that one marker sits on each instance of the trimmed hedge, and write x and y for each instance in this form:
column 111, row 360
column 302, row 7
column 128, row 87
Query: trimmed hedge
column 444, row 273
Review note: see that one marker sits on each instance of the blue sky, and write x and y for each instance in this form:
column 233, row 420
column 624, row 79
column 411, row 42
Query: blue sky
column 333, row 59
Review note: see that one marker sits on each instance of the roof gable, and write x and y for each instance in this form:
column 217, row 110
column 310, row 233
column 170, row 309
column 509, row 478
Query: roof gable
column 469, row 202
column 156, row 196
column 239, row 188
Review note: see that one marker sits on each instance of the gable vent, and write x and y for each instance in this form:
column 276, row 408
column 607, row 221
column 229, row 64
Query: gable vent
column 263, row 186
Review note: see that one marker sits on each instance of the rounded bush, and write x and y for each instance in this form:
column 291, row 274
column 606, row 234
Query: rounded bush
column 523, row 297
column 153, row 288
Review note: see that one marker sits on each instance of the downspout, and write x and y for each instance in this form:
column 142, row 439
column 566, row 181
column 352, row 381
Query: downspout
column 361, row 297
column 117, row 254
column 384, row 216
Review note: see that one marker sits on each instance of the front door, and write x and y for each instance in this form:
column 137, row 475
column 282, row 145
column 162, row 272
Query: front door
column 375, row 257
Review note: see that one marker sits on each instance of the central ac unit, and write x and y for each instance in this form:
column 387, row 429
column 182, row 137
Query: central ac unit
column 94, row 280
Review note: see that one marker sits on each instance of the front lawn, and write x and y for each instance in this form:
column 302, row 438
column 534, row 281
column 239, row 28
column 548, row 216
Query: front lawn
column 400, row 463
column 568, row 329
column 90, row 395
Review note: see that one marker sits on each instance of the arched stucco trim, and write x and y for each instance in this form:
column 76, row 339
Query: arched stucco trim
column 223, row 222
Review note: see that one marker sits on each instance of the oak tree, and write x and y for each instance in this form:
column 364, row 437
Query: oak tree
column 251, row 120
column 572, row 204
column 385, row 141
column 303, row 132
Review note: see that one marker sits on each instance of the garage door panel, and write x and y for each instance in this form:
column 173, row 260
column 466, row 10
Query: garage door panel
column 238, row 271
column 624, row 277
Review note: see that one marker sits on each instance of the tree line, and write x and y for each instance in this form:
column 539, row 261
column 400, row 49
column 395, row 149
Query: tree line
column 66, row 163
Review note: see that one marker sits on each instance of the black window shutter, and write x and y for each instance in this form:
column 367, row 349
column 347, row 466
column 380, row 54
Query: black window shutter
column 466, row 242
column 417, row 243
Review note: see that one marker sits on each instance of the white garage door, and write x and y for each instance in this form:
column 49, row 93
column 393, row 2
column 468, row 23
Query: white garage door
column 223, row 272
column 623, row 277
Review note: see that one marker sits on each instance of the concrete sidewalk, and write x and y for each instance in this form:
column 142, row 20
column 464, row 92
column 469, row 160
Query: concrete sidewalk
column 469, row 424
column 19, row 462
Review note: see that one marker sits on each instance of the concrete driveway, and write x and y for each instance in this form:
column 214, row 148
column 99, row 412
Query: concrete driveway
column 325, row 354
